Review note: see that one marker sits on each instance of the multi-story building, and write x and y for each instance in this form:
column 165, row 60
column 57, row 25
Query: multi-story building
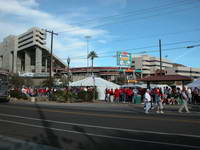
column 27, row 53
column 149, row 65
column 184, row 71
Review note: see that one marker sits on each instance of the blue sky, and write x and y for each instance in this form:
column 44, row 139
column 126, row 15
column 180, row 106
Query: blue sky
column 134, row 26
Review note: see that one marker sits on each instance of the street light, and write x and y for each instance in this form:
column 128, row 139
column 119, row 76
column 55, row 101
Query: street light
column 87, row 38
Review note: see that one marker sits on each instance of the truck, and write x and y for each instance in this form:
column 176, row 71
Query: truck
column 4, row 86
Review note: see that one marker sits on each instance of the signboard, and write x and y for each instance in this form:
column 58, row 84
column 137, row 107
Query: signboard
column 124, row 59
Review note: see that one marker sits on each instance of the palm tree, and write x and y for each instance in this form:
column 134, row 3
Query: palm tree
column 92, row 55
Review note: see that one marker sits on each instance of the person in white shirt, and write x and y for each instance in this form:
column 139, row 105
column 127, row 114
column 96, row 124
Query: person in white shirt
column 147, row 101
column 185, row 101
column 189, row 92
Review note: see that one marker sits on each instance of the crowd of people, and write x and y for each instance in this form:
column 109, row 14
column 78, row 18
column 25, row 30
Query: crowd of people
column 30, row 91
column 155, row 97
column 169, row 95
column 45, row 91
column 121, row 94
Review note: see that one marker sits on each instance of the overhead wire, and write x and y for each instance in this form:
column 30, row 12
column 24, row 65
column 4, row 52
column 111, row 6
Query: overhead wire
column 161, row 8
column 145, row 51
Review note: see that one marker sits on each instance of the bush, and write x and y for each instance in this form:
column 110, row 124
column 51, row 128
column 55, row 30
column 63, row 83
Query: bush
column 15, row 94
column 18, row 94
column 60, row 96
column 73, row 96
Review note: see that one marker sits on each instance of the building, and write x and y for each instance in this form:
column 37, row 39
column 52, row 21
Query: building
column 149, row 65
column 27, row 53
column 143, row 65
column 108, row 73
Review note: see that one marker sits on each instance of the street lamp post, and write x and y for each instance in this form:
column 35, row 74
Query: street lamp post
column 87, row 38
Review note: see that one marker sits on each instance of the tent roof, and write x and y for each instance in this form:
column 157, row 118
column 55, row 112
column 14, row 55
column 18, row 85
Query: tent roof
column 165, row 78
column 195, row 83
column 96, row 81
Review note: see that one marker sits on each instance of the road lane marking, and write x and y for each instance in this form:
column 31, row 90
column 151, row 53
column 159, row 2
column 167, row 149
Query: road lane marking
column 103, row 115
column 102, row 127
column 101, row 135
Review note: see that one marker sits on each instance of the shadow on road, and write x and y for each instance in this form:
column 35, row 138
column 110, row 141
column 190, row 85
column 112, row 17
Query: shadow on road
column 49, row 137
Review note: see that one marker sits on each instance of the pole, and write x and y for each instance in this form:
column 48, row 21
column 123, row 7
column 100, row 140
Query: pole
column 51, row 58
column 87, row 38
column 160, row 56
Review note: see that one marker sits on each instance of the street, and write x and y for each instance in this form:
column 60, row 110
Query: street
column 39, row 126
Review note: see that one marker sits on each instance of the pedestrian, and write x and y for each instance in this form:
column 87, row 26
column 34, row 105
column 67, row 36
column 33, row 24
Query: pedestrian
column 147, row 101
column 111, row 96
column 189, row 92
column 106, row 94
column 158, row 98
column 117, row 95
column 185, row 99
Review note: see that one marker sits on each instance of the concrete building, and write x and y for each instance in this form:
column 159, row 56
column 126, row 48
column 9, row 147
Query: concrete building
column 184, row 70
column 27, row 53
column 149, row 65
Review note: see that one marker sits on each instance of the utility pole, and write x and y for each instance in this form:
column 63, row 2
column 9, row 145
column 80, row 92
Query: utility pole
column 160, row 49
column 51, row 57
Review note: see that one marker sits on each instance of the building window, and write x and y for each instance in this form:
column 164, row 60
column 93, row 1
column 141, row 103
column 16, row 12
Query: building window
column 32, row 55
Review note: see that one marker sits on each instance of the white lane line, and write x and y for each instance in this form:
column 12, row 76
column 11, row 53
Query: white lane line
column 103, row 127
column 101, row 136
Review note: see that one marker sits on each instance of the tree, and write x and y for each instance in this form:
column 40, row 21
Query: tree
column 16, row 81
column 92, row 55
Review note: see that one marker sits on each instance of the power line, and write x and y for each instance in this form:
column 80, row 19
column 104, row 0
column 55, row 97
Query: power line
column 131, row 20
column 152, row 46
column 155, row 35
column 149, row 51
column 127, row 13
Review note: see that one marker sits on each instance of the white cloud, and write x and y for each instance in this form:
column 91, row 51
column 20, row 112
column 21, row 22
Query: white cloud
column 26, row 14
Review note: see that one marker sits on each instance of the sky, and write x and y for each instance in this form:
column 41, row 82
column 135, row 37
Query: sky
column 134, row 26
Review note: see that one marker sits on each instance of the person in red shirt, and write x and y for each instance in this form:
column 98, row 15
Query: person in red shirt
column 129, row 94
column 111, row 95
column 117, row 95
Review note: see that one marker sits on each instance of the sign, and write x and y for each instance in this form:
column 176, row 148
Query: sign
column 124, row 59
column 132, row 81
column 129, row 70
column 138, row 70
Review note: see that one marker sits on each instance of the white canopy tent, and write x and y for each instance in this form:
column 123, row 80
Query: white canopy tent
column 100, row 84
column 194, row 84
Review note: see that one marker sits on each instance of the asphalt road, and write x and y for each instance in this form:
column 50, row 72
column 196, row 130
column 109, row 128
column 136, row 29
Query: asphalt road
column 39, row 126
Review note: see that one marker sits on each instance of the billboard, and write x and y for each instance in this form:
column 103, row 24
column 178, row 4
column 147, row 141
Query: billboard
column 124, row 59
